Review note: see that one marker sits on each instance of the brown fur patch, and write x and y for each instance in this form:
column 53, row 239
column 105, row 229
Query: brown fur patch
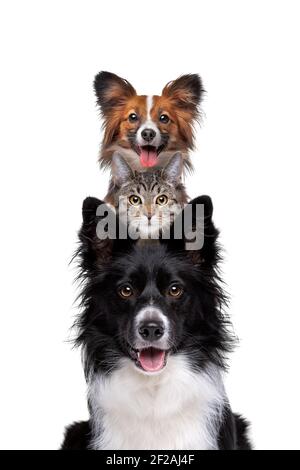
column 180, row 126
column 137, row 105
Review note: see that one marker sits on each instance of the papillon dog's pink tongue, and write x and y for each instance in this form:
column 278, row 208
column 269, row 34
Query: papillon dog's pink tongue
column 148, row 157
column 152, row 359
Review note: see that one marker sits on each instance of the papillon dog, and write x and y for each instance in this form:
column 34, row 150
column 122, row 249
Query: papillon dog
column 147, row 130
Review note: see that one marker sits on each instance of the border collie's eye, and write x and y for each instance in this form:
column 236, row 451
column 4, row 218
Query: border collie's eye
column 135, row 200
column 175, row 291
column 125, row 292
column 164, row 118
column 162, row 200
column 132, row 117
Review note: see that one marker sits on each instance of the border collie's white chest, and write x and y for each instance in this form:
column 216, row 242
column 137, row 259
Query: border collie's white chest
column 175, row 409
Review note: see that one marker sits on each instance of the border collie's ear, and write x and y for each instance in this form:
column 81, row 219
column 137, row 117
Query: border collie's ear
column 111, row 91
column 173, row 170
column 186, row 90
column 120, row 170
column 101, row 236
column 93, row 250
column 193, row 232
column 207, row 206
column 89, row 209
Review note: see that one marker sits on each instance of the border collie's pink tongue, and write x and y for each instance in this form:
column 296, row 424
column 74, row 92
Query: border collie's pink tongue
column 148, row 157
column 152, row 359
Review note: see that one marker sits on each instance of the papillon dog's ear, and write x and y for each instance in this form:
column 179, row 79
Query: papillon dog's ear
column 186, row 92
column 112, row 91
column 194, row 233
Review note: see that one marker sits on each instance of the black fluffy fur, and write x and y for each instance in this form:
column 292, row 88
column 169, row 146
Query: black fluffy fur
column 200, row 328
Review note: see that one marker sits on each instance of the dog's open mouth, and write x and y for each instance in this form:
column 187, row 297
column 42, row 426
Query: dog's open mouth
column 150, row 359
column 149, row 155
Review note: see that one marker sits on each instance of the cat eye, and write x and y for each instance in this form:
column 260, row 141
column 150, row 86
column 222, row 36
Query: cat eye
column 125, row 291
column 135, row 200
column 175, row 291
column 133, row 117
column 162, row 200
column 164, row 118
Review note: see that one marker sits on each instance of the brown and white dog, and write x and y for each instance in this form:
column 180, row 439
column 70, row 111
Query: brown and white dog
column 147, row 130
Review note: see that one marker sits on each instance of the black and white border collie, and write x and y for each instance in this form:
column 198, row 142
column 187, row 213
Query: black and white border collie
column 154, row 339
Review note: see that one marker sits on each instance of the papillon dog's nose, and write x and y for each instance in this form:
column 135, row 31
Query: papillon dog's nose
column 148, row 134
column 151, row 331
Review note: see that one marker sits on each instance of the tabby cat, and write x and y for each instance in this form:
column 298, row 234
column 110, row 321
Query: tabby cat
column 148, row 200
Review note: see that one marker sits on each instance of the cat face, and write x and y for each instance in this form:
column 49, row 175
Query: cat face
column 148, row 200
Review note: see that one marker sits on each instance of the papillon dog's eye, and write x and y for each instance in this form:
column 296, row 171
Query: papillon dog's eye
column 135, row 200
column 164, row 118
column 133, row 117
column 175, row 291
column 125, row 292
column 162, row 200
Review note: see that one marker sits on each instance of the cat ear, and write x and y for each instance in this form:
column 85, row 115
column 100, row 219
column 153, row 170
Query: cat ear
column 173, row 170
column 121, row 171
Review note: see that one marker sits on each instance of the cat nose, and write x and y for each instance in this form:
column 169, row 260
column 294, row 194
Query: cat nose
column 148, row 212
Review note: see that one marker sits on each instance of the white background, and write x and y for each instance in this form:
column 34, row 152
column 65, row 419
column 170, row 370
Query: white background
column 247, row 53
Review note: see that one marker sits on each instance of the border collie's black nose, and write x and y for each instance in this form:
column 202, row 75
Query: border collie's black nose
column 148, row 134
column 151, row 331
